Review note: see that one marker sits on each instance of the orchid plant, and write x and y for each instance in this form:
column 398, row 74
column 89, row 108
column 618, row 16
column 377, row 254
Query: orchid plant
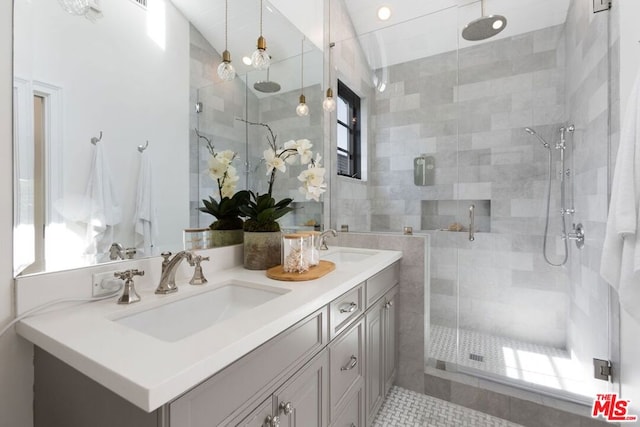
column 227, row 209
column 262, row 211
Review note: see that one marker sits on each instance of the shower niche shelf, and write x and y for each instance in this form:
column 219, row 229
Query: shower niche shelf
column 443, row 214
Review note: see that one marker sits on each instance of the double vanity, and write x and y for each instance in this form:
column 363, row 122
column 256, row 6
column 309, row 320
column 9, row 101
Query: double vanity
column 241, row 350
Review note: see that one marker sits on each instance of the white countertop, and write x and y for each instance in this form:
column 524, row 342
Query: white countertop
column 150, row 372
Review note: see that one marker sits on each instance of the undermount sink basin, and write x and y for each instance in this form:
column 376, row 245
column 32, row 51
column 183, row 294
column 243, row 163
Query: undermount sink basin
column 348, row 256
column 179, row 319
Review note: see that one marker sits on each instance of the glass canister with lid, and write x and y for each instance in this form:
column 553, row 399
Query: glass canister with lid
column 296, row 252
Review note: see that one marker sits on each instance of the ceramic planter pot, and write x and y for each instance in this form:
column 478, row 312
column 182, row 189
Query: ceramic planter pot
column 262, row 250
column 226, row 237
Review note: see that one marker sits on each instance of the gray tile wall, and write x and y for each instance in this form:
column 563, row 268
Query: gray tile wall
column 592, row 70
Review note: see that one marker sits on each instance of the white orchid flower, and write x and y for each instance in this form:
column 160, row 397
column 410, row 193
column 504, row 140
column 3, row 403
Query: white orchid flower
column 232, row 175
column 273, row 161
column 313, row 184
column 304, row 150
column 313, row 176
column 217, row 168
column 226, row 156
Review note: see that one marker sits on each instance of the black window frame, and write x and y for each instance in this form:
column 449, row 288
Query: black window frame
column 354, row 150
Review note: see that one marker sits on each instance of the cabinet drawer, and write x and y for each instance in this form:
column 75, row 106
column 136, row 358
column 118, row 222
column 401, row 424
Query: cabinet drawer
column 345, row 309
column 346, row 363
column 254, row 375
column 379, row 284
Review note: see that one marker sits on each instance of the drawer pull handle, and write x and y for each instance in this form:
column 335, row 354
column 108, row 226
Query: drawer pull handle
column 272, row 421
column 348, row 308
column 352, row 364
column 388, row 304
column 286, row 408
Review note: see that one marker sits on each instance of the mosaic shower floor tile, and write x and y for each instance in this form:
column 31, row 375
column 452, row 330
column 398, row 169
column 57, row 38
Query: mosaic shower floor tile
column 405, row 408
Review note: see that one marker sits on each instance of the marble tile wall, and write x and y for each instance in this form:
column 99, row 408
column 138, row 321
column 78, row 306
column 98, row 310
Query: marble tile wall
column 591, row 89
column 414, row 286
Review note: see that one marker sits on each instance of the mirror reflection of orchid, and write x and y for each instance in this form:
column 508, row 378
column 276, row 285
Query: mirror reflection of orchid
column 262, row 210
column 227, row 208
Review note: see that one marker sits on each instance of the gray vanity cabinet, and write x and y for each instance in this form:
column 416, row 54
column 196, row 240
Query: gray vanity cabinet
column 381, row 338
column 332, row 368
column 258, row 417
column 381, row 351
column 303, row 400
column 300, row 402
column 233, row 394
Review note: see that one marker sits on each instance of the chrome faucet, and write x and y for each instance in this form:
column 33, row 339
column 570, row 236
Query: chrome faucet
column 322, row 239
column 169, row 267
column 116, row 251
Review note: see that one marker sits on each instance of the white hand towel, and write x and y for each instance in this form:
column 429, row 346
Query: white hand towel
column 102, row 208
column 145, row 219
column 620, row 263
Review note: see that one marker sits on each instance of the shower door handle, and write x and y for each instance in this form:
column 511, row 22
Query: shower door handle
column 472, row 218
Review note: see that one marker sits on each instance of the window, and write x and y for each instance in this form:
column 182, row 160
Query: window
column 348, row 150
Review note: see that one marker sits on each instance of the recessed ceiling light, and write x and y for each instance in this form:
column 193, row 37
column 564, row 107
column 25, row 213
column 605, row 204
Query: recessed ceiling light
column 384, row 13
column 246, row 60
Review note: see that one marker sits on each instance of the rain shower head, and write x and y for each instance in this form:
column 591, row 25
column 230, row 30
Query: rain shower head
column 533, row 133
column 266, row 86
column 484, row 27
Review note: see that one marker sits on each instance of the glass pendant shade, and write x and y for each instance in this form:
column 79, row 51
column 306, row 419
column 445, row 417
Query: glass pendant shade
column 260, row 58
column 329, row 104
column 225, row 70
column 302, row 109
column 75, row 7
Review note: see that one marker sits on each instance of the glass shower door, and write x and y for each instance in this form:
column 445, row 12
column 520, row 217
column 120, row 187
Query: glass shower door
column 524, row 318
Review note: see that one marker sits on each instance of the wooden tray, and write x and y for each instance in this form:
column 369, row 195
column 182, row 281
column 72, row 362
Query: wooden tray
column 315, row 272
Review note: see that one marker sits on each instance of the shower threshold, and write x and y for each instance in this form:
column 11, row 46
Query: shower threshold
column 535, row 367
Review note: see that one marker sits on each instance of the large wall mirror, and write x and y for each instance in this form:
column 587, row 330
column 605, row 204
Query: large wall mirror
column 89, row 91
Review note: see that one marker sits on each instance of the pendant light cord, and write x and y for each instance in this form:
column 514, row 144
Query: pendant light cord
column 481, row 8
column 302, row 65
column 261, row 18
column 226, row 23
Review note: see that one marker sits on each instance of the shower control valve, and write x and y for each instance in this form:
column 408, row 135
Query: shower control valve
column 577, row 234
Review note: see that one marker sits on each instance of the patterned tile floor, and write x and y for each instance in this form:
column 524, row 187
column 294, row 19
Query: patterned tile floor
column 536, row 364
column 405, row 408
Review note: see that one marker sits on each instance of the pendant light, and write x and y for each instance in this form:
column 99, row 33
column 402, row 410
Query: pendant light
column 302, row 109
column 260, row 58
column 329, row 104
column 225, row 70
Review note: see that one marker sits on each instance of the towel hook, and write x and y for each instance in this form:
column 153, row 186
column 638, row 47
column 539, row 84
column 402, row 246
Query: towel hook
column 141, row 148
column 95, row 140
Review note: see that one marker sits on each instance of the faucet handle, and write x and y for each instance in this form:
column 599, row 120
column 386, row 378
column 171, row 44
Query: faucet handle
column 128, row 275
column 198, row 276
column 129, row 295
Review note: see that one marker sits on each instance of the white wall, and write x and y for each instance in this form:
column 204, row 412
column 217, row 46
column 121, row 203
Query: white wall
column 629, row 328
column 16, row 372
column 117, row 78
